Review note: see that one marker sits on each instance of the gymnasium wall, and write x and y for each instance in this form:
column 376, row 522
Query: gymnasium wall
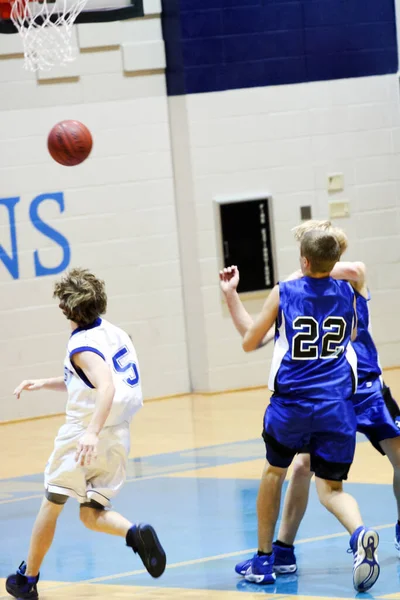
column 263, row 98
column 274, row 97
column 114, row 214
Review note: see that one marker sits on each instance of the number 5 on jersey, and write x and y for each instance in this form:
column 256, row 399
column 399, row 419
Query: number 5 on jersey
column 122, row 364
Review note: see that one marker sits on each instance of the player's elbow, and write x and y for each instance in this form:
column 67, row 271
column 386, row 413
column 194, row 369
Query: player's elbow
column 358, row 271
column 248, row 344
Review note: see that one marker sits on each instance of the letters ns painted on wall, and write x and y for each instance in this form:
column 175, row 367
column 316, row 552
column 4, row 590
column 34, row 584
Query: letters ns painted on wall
column 11, row 260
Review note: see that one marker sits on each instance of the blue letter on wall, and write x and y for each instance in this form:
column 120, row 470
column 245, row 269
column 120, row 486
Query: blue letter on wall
column 51, row 233
column 10, row 262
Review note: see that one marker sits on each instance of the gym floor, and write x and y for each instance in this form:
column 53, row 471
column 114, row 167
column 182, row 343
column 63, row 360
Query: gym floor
column 193, row 473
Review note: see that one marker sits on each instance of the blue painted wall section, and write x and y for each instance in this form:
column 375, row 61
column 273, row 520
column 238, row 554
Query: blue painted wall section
column 215, row 45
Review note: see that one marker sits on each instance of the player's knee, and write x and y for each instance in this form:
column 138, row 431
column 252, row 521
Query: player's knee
column 89, row 513
column 57, row 499
column 88, row 516
column 301, row 467
column 391, row 447
column 326, row 489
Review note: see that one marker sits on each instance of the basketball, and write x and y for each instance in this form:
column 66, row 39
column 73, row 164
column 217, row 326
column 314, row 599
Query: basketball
column 69, row 143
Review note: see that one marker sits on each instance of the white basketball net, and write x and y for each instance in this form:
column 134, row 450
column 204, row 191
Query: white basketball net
column 45, row 27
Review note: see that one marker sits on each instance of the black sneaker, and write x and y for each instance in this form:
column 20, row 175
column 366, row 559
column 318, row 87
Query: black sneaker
column 144, row 541
column 19, row 586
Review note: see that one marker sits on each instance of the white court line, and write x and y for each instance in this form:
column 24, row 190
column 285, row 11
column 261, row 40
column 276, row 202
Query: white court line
column 195, row 561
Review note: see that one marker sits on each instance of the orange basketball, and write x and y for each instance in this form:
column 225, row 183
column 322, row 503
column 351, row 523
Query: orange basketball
column 70, row 143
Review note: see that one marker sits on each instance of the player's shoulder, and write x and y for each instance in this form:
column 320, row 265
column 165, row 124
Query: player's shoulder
column 344, row 288
column 290, row 283
column 110, row 327
column 119, row 335
column 87, row 337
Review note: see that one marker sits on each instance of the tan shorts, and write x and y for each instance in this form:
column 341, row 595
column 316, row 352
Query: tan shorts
column 101, row 480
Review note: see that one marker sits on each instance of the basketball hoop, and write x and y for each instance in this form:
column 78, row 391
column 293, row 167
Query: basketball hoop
column 45, row 27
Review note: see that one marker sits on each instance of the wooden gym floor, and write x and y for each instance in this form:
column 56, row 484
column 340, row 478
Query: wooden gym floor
column 193, row 473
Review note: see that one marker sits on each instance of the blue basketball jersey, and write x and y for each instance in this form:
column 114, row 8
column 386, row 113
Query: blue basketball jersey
column 367, row 354
column 313, row 357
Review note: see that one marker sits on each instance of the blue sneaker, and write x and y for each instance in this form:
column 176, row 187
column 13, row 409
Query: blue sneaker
column 242, row 567
column 364, row 544
column 261, row 570
column 397, row 539
column 285, row 560
column 20, row 586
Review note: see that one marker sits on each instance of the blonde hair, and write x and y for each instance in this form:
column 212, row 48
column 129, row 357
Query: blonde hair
column 321, row 249
column 82, row 296
column 325, row 225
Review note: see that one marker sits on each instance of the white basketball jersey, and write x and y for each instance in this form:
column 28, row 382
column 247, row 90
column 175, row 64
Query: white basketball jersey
column 116, row 348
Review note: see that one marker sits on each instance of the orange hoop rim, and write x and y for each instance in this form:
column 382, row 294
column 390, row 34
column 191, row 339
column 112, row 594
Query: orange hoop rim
column 6, row 6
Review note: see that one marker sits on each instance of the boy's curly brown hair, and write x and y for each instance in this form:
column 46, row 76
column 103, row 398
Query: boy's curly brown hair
column 82, row 296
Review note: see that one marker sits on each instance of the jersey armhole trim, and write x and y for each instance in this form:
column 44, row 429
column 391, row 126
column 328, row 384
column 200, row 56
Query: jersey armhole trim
column 86, row 349
column 78, row 370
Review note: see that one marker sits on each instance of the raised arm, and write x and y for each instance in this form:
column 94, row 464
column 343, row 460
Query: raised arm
column 229, row 281
column 55, row 384
column 264, row 322
column 99, row 374
column 354, row 272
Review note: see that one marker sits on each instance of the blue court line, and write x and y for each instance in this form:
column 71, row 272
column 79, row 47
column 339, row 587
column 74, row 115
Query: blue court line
column 29, row 487
column 158, row 465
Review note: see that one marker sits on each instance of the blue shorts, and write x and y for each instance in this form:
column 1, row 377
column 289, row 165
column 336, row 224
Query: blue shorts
column 327, row 428
column 373, row 417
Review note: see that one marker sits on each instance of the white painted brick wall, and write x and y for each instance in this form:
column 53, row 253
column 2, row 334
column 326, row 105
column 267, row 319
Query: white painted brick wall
column 119, row 215
column 120, row 206
column 285, row 141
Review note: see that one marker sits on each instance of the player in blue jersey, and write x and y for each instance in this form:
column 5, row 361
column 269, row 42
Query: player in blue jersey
column 312, row 377
column 376, row 412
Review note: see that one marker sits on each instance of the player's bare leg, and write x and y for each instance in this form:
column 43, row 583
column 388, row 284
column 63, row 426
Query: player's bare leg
column 260, row 569
column 343, row 506
column 104, row 521
column 23, row 583
column 42, row 535
column 363, row 541
column 391, row 447
column 141, row 538
column 268, row 505
column 296, row 499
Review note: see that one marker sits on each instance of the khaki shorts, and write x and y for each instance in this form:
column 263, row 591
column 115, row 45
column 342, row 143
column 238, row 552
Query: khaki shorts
column 102, row 479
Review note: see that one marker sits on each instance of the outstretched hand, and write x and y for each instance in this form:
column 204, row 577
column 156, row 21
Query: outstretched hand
column 229, row 279
column 29, row 385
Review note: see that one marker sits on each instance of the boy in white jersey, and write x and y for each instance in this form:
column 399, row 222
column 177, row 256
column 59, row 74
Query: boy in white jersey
column 101, row 376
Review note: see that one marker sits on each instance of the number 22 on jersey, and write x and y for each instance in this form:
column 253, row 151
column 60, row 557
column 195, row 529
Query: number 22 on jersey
column 304, row 343
column 123, row 364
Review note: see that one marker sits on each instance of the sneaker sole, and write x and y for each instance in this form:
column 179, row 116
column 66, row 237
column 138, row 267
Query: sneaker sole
column 17, row 593
column 279, row 570
column 261, row 579
column 366, row 572
column 285, row 569
column 154, row 558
